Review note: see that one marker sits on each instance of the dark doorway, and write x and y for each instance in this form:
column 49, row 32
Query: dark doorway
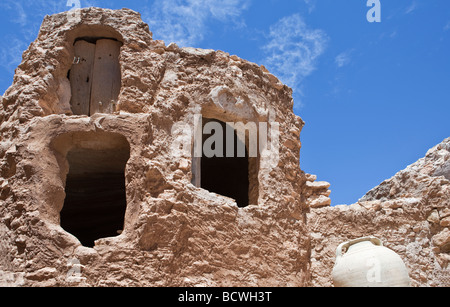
column 95, row 202
column 227, row 176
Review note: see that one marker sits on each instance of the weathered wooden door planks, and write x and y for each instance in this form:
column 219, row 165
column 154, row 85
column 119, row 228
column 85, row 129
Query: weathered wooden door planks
column 107, row 80
column 95, row 77
column 81, row 77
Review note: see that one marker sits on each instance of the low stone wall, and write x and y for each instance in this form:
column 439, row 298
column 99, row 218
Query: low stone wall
column 410, row 213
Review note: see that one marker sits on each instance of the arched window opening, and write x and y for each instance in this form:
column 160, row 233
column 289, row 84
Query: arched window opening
column 227, row 170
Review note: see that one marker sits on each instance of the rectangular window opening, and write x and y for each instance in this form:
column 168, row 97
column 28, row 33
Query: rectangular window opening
column 224, row 168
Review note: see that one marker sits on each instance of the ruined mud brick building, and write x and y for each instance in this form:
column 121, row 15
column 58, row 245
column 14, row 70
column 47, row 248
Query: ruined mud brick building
column 93, row 195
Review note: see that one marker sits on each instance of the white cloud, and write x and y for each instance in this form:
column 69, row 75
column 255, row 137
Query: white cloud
column 28, row 16
column 447, row 26
column 412, row 7
column 185, row 21
column 393, row 34
column 311, row 5
column 16, row 12
column 293, row 50
column 11, row 56
column 21, row 18
column 343, row 58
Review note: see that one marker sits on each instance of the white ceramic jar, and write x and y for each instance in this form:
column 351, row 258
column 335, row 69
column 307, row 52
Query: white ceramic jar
column 366, row 262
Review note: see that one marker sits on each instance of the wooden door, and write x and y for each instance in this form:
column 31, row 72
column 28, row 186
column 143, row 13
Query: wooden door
column 106, row 77
column 81, row 77
column 95, row 77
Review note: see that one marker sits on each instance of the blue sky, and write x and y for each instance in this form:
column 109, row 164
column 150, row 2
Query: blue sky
column 375, row 96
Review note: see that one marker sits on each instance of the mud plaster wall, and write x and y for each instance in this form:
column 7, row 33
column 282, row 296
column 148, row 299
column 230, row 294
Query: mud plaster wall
column 174, row 233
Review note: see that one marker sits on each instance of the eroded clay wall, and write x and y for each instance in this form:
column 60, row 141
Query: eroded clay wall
column 175, row 233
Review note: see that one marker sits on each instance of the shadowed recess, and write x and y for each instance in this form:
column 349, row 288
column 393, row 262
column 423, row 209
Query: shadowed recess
column 95, row 201
column 227, row 176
